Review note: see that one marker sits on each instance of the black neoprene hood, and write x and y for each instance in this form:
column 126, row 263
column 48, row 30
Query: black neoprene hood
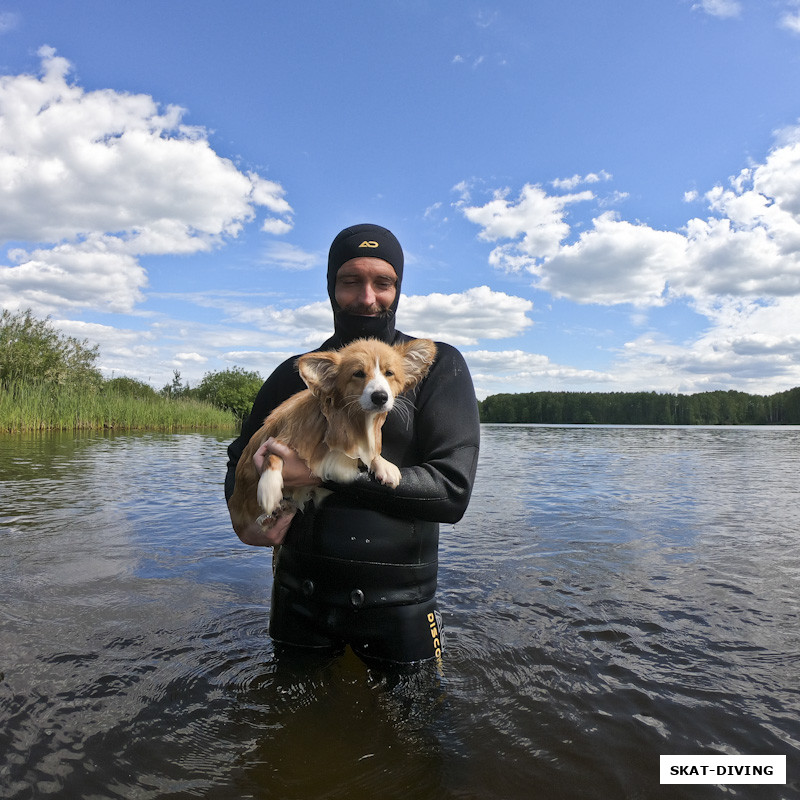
column 370, row 241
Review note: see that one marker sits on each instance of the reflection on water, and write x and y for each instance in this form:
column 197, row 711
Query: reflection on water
column 612, row 594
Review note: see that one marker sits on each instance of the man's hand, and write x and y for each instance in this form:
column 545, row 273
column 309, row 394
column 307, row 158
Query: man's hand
column 296, row 474
column 258, row 536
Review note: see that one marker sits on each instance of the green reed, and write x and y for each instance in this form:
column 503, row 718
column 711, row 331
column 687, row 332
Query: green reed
column 31, row 407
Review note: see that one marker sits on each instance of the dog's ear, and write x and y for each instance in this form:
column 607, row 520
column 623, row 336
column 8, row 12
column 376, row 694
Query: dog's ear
column 418, row 355
column 319, row 371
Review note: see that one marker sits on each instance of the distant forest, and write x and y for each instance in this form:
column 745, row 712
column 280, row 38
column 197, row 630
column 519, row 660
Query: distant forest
column 644, row 408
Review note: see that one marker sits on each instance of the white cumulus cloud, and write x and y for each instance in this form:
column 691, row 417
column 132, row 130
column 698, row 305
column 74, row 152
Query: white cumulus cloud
column 463, row 318
column 747, row 246
column 535, row 216
column 614, row 262
column 497, row 371
column 738, row 266
column 95, row 180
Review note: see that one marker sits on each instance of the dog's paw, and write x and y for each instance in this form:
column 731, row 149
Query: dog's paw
column 385, row 472
column 286, row 506
column 270, row 491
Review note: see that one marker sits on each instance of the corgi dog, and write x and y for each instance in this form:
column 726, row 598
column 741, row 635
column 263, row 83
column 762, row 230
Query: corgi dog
column 334, row 425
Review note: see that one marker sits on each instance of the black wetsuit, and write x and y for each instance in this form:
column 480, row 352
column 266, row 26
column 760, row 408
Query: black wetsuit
column 361, row 568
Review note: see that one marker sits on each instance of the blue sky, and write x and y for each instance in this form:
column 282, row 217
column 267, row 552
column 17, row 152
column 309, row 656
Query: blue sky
column 594, row 196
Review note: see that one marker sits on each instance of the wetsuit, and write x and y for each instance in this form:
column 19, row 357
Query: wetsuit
column 361, row 568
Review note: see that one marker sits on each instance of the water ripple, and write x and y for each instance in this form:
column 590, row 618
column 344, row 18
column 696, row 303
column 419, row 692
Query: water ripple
column 612, row 594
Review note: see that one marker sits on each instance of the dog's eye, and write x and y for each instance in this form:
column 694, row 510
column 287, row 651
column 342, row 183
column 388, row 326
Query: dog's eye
column 388, row 373
column 359, row 373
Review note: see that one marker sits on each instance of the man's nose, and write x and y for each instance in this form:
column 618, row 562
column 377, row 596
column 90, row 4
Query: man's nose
column 368, row 296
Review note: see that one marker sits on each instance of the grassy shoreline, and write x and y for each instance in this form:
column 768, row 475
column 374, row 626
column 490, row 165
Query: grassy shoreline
column 26, row 407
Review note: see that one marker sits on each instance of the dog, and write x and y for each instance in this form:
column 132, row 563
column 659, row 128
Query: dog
column 334, row 425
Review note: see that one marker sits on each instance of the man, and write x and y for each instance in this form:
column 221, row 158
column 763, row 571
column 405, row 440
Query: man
column 361, row 569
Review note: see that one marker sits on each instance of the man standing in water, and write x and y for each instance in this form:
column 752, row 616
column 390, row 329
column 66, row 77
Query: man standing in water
column 362, row 568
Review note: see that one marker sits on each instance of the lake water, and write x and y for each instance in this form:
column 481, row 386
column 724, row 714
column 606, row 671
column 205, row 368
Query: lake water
column 613, row 594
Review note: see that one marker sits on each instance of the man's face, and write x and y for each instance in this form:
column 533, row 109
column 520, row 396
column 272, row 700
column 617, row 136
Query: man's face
column 365, row 286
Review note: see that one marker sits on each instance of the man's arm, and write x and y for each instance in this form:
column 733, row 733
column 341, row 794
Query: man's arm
column 295, row 474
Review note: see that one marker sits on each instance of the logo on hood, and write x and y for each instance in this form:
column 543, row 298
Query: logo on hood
column 369, row 244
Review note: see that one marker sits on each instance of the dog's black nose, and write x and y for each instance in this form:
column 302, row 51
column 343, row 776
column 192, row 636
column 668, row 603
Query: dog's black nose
column 379, row 398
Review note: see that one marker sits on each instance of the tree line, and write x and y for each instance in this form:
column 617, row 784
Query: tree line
column 643, row 408
column 33, row 352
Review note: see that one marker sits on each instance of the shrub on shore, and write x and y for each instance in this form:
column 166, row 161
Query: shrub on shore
column 49, row 381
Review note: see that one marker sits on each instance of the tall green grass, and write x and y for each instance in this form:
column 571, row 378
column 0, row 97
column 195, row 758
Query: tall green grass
column 33, row 407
